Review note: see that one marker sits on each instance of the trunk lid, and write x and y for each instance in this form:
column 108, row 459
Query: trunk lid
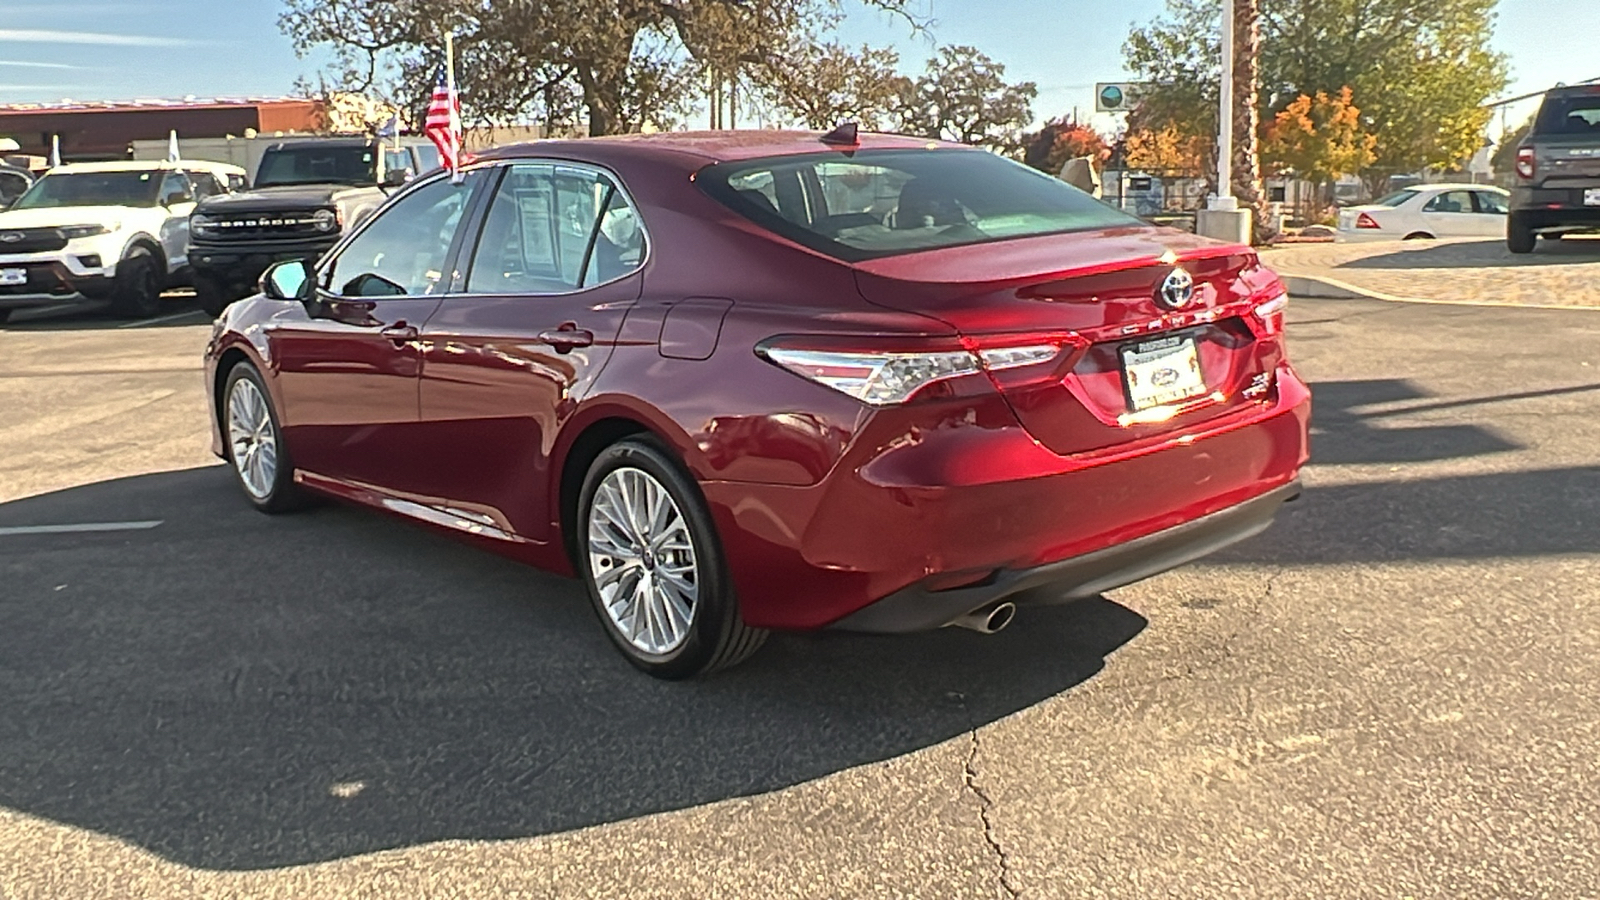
column 1099, row 290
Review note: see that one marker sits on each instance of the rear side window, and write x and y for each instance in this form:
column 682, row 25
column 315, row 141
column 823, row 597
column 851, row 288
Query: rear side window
column 554, row 229
column 1573, row 114
column 876, row 203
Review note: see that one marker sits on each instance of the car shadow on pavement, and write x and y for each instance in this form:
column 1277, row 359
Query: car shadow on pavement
column 1345, row 429
column 1480, row 255
column 235, row 691
column 178, row 307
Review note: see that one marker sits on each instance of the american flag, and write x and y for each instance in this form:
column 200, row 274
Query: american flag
column 444, row 122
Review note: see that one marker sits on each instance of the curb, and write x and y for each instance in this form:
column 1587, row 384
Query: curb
column 1317, row 287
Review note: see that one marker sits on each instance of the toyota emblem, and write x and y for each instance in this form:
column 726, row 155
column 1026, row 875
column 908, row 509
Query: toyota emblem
column 11, row 237
column 1177, row 291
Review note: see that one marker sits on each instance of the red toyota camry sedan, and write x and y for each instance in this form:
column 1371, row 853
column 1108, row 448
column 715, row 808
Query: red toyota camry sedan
column 747, row 381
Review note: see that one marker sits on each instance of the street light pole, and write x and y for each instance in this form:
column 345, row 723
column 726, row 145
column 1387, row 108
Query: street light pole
column 1222, row 218
column 1224, row 198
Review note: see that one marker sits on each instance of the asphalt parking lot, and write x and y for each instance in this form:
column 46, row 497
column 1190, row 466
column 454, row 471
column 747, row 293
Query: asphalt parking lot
column 1395, row 692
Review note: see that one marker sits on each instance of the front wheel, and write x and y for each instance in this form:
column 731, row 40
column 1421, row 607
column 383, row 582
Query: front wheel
column 214, row 295
column 653, row 566
column 1519, row 235
column 255, row 443
column 136, row 288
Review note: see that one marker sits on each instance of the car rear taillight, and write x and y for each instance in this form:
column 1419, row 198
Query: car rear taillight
column 897, row 372
column 1269, row 314
column 1367, row 221
column 1527, row 163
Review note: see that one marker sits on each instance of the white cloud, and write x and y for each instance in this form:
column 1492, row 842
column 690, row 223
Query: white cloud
column 40, row 36
column 35, row 65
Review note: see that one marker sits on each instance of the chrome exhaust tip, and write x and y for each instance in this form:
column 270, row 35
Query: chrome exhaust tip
column 988, row 619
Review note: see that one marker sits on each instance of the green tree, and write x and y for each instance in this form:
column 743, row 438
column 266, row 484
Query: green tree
column 963, row 96
column 627, row 62
column 1422, row 68
column 1505, row 155
column 825, row 85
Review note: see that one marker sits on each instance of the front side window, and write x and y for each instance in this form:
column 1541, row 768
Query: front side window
column 402, row 252
column 175, row 188
column 552, row 229
column 137, row 189
column 877, row 203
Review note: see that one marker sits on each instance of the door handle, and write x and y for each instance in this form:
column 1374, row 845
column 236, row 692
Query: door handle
column 566, row 340
column 400, row 333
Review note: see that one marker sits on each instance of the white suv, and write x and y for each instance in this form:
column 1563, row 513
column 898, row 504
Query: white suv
column 116, row 231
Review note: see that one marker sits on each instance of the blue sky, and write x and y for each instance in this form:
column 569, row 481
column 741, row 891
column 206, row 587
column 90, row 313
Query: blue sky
column 101, row 50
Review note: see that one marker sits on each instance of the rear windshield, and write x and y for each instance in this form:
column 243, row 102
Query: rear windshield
column 876, row 203
column 318, row 165
column 1398, row 198
column 136, row 188
column 1572, row 114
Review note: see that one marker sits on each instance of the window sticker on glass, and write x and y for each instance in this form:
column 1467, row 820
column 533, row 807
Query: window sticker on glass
column 538, row 226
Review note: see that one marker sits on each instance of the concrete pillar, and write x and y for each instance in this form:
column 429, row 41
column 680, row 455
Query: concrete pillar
column 1231, row 225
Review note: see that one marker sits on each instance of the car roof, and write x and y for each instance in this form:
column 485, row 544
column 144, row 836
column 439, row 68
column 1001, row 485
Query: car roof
column 147, row 165
column 1456, row 186
column 717, row 146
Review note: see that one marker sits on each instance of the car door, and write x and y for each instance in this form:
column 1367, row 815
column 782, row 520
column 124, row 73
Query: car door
column 177, row 201
column 348, row 359
column 1450, row 214
column 1492, row 213
column 543, row 294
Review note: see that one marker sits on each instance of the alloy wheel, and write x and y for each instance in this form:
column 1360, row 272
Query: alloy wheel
column 642, row 560
column 253, row 439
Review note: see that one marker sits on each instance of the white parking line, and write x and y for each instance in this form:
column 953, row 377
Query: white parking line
column 146, row 323
column 86, row 526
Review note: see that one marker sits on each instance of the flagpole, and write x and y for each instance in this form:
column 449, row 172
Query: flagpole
column 456, row 176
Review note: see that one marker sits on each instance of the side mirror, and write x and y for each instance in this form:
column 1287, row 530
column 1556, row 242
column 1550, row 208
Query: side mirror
column 395, row 178
column 290, row 280
column 175, row 199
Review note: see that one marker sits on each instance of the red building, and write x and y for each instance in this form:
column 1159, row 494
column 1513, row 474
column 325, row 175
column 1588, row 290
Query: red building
column 96, row 131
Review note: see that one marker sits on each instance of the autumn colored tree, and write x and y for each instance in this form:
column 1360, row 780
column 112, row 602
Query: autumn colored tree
column 1167, row 149
column 1319, row 138
column 1059, row 140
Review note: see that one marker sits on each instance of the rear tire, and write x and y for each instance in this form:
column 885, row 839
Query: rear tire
column 254, row 443
column 136, row 291
column 650, row 558
column 214, row 295
column 1519, row 235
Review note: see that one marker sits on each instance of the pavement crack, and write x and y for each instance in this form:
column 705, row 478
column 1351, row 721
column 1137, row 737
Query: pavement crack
column 985, row 807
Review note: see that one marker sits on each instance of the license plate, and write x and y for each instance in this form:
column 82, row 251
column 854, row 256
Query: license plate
column 1591, row 197
column 13, row 276
column 1162, row 371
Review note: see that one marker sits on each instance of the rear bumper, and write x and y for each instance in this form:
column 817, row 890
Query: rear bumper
column 1555, row 207
column 961, row 512
column 917, row 608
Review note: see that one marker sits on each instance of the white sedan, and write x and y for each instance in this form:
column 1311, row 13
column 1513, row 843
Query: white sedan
column 1429, row 211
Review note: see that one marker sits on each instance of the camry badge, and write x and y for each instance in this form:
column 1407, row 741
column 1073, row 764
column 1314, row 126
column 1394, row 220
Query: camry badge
column 11, row 237
column 1177, row 291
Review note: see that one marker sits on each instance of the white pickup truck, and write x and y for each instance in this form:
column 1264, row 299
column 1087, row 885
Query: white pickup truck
column 116, row 231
